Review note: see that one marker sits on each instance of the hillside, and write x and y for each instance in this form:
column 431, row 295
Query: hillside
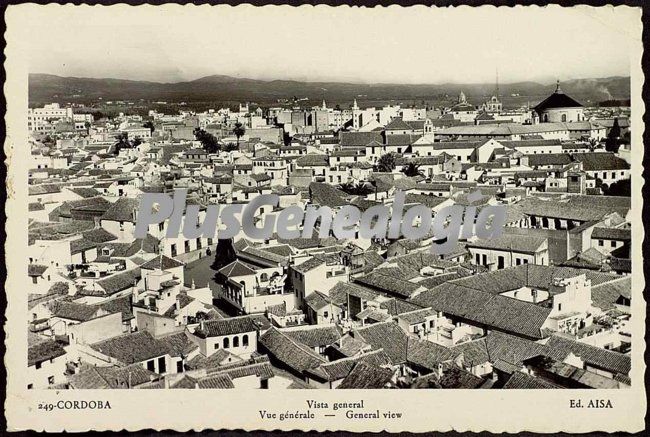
column 49, row 88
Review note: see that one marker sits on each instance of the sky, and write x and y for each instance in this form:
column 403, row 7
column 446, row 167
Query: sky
column 342, row 44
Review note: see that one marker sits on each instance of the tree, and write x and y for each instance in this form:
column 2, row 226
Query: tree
column 618, row 188
column 358, row 189
column 386, row 163
column 149, row 124
column 411, row 169
column 230, row 147
column 122, row 142
column 613, row 138
column 239, row 130
column 224, row 254
column 593, row 143
column 208, row 141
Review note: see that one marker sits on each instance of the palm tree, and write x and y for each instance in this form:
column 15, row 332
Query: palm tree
column 358, row 189
column 239, row 130
column 411, row 169
column 386, row 163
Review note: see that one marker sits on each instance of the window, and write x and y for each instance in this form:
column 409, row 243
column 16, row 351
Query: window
column 161, row 226
column 30, row 386
column 601, row 243
column 187, row 246
column 613, row 243
column 50, row 380
column 235, row 341
column 501, row 262
column 38, row 365
column 245, row 340
column 162, row 365
column 226, row 343
column 216, row 345
column 478, row 258
column 264, row 383
column 563, row 117
column 559, row 307
column 325, row 315
column 517, row 262
column 173, row 250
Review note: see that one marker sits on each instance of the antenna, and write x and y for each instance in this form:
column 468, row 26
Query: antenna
column 497, row 89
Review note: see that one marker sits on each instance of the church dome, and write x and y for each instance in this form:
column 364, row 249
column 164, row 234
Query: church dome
column 557, row 100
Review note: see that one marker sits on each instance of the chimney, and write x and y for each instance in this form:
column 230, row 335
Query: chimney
column 439, row 371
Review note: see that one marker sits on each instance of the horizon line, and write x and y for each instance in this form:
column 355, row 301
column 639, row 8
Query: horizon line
column 553, row 82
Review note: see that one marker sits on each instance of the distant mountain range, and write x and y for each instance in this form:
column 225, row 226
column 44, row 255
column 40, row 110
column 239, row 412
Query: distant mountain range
column 45, row 88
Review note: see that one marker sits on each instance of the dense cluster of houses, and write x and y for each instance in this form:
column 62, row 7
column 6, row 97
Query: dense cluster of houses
column 544, row 305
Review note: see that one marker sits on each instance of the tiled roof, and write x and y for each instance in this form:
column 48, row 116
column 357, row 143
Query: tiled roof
column 43, row 351
column 73, row 311
column 313, row 160
column 161, row 262
column 601, row 161
column 521, row 380
column 427, row 355
column 507, row 242
column 560, row 347
column 289, row 352
column 554, row 159
column 119, row 281
column 111, row 377
column 499, row 347
column 121, row 304
column 132, row 348
column 237, row 268
column 123, row 209
column 326, row 195
column 401, row 139
column 179, row 343
column 315, row 336
column 573, row 207
column 221, row 381
column 388, row 283
column 228, row 326
column 339, row 369
column 619, row 234
column 387, row 336
column 339, row 293
column 364, row 376
column 397, row 123
column 499, row 312
column 359, row 138
column 317, row 300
